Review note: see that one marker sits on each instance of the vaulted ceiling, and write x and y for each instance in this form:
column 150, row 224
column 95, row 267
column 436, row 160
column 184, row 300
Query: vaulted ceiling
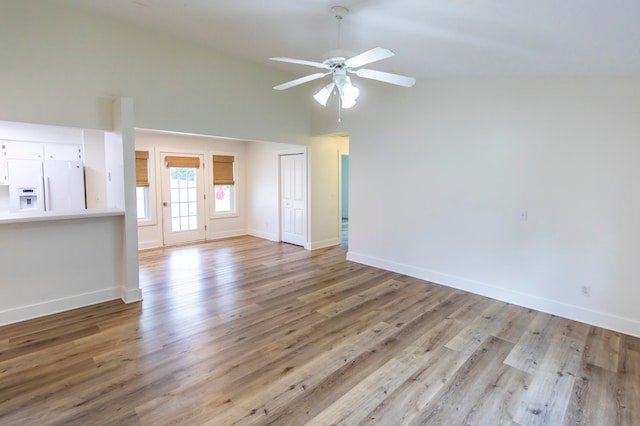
column 431, row 38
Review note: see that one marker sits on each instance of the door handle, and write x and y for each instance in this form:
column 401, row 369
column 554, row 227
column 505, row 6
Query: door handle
column 165, row 204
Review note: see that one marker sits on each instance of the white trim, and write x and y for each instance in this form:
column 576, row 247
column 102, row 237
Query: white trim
column 292, row 151
column 339, row 160
column 226, row 234
column 54, row 306
column 332, row 242
column 264, row 235
column 144, row 245
column 573, row 312
column 131, row 296
column 223, row 215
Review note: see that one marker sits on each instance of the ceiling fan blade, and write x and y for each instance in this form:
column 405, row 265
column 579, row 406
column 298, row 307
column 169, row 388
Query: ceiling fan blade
column 387, row 77
column 373, row 55
column 301, row 62
column 301, row 80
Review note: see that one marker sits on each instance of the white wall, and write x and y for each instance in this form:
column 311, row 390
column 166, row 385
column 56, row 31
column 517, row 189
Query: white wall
column 150, row 235
column 463, row 159
column 263, row 177
column 257, row 185
column 40, row 278
column 344, row 169
column 95, row 172
column 123, row 129
column 65, row 66
column 53, row 266
column 326, row 224
column 40, row 133
column 114, row 169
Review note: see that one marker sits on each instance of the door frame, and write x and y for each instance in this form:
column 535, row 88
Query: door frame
column 341, row 155
column 294, row 151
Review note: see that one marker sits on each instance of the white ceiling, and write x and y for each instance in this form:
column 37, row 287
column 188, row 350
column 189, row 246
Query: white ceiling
column 431, row 38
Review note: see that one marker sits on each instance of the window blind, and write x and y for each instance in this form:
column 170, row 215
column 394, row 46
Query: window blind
column 190, row 162
column 223, row 169
column 142, row 168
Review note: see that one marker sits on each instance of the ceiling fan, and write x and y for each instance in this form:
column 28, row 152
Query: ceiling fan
column 339, row 65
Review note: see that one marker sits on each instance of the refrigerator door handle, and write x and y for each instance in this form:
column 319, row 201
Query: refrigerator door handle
column 47, row 194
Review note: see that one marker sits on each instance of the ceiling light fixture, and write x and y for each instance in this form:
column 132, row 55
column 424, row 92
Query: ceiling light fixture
column 338, row 65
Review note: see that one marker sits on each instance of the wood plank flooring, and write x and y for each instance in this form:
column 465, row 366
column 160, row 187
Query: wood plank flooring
column 250, row 332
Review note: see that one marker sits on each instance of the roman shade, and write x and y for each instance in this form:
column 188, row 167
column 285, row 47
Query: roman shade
column 142, row 168
column 191, row 162
column 223, row 170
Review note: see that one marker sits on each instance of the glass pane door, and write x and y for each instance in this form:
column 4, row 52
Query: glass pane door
column 182, row 201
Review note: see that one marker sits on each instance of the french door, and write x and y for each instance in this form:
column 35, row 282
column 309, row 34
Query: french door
column 183, row 198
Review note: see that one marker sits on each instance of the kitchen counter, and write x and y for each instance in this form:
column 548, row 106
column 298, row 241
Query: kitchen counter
column 55, row 261
column 8, row 218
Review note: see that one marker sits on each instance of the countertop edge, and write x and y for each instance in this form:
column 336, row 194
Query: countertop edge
column 9, row 218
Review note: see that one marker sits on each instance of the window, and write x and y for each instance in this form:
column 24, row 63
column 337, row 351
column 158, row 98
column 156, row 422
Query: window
column 224, row 194
column 142, row 184
column 142, row 198
column 223, row 201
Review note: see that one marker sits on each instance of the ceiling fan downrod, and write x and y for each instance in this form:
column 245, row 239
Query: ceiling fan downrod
column 339, row 12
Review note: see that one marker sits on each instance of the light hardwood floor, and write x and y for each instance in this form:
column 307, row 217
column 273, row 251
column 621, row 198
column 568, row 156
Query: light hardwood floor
column 247, row 331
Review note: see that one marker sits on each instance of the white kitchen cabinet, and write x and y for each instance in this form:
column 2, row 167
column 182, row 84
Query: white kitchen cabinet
column 61, row 151
column 21, row 150
column 16, row 150
column 3, row 165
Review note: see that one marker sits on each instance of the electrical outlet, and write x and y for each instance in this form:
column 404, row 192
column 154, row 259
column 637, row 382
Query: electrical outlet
column 524, row 215
column 586, row 290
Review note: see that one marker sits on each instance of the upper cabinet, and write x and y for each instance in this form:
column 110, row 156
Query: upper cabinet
column 58, row 151
column 19, row 150
column 16, row 150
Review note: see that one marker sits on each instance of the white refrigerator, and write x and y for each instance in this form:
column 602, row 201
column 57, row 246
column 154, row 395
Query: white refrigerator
column 63, row 185
column 26, row 189
column 50, row 185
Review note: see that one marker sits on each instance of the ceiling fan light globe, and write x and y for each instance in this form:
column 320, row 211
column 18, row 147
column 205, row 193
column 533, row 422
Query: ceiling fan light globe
column 350, row 91
column 347, row 102
column 323, row 94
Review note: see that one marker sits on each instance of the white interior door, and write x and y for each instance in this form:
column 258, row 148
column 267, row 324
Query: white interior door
column 293, row 190
column 183, row 196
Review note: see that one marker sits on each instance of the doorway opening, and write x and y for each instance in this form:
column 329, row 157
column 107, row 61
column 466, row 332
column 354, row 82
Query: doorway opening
column 344, row 198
